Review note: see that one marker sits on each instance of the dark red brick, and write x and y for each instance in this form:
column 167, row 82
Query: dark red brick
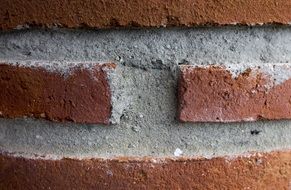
column 259, row 171
column 83, row 96
column 144, row 13
column 212, row 94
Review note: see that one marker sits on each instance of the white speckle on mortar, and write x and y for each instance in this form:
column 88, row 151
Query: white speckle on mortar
column 39, row 137
column 135, row 128
column 178, row 152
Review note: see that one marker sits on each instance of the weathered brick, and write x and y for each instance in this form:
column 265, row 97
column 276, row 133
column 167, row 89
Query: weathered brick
column 146, row 13
column 213, row 94
column 82, row 95
column 256, row 171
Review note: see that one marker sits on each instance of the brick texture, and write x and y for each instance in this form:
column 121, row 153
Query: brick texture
column 82, row 96
column 146, row 13
column 259, row 171
column 212, row 94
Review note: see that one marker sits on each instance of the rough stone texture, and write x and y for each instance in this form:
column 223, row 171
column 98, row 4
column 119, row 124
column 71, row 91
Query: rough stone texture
column 82, row 96
column 212, row 94
column 146, row 13
column 147, row 128
column 162, row 49
column 256, row 171
column 147, row 67
column 148, row 60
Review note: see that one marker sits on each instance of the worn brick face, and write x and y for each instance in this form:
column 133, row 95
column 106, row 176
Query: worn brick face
column 81, row 96
column 258, row 171
column 212, row 94
column 146, row 13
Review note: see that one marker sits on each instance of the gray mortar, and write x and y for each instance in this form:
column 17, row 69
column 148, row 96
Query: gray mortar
column 147, row 77
column 121, row 95
column 152, row 48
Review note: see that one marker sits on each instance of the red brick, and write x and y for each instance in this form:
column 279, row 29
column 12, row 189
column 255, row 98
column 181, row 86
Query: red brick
column 146, row 13
column 83, row 96
column 212, row 94
column 258, row 171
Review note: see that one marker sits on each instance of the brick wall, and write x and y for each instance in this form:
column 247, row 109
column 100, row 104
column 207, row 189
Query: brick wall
column 96, row 95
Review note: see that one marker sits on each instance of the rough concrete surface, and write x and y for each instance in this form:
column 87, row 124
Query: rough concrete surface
column 148, row 61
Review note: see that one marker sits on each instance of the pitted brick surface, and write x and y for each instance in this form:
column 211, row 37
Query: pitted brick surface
column 141, row 13
column 257, row 171
column 212, row 94
column 82, row 96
